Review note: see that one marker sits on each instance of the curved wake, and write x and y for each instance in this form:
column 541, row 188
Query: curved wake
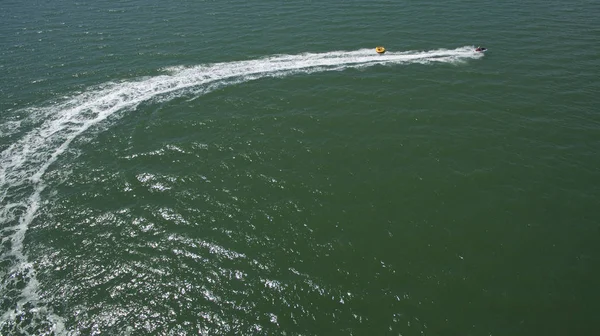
column 24, row 163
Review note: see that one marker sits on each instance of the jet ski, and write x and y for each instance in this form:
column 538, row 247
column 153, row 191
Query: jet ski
column 480, row 49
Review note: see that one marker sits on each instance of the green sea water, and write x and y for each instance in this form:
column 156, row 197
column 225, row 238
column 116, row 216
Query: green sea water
column 239, row 168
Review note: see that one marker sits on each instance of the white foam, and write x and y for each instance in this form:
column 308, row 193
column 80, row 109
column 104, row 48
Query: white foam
column 9, row 127
column 24, row 163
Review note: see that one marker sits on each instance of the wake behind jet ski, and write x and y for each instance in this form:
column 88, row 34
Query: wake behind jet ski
column 480, row 49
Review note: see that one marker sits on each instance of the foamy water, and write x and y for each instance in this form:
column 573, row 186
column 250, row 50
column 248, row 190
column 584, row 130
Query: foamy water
column 24, row 163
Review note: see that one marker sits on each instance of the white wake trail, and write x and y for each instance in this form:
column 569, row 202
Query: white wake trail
column 24, row 163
